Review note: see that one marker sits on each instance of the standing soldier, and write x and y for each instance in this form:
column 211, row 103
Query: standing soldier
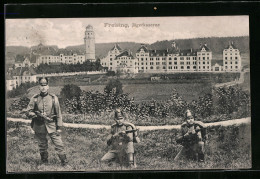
column 122, row 139
column 44, row 109
column 192, row 138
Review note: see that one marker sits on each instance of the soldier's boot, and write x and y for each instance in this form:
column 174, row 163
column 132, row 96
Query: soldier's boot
column 44, row 157
column 131, row 161
column 201, row 157
column 63, row 159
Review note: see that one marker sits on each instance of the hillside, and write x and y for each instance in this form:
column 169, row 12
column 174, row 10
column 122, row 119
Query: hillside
column 216, row 44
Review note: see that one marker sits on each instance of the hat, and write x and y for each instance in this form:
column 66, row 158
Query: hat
column 188, row 114
column 43, row 81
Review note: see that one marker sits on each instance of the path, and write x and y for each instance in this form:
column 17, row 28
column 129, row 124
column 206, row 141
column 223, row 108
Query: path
column 145, row 128
column 231, row 83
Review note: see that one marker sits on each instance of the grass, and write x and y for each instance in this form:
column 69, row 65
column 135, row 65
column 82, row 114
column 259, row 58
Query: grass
column 144, row 92
column 227, row 148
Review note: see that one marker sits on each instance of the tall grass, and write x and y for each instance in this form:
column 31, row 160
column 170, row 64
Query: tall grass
column 227, row 148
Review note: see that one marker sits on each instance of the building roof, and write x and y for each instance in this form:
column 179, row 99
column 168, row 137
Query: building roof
column 8, row 77
column 158, row 52
column 125, row 53
column 20, row 70
column 214, row 62
column 231, row 45
column 44, row 50
column 19, row 59
column 204, row 46
column 144, row 48
column 188, row 52
column 116, row 46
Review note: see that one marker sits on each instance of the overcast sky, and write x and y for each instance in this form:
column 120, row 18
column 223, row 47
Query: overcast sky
column 66, row 32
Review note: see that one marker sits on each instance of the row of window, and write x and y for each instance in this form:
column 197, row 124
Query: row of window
column 56, row 57
column 230, row 58
column 174, row 67
column 226, row 67
column 231, row 63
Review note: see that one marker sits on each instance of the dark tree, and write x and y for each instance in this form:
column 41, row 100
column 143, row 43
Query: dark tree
column 69, row 91
column 114, row 86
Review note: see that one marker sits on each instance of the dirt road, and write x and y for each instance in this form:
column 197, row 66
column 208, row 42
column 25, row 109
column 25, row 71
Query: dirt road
column 145, row 128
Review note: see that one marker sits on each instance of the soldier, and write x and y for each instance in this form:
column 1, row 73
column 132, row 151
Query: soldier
column 192, row 138
column 122, row 139
column 44, row 109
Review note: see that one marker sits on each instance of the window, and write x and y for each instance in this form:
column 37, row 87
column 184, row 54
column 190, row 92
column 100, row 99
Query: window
column 170, row 58
column 226, row 63
column 188, row 63
column 230, row 58
column 110, row 63
column 182, row 67
column 182, row 63
column 203, row 63
column 164, row 67
column 203, row 58
column 175, row 67
column 170, row 63
column 188, row 67
column 151, row 63
column 203, row 67
column 142, row 59
column 236, row 67
column 157, row 67
column 157, row 63
column 170, row 67
column 208, row 58
column 175, row 58
column 151, row 67
column 236, row 62
column 182, row 58
column 194, row 67
column 175, row 63
column 225, row 58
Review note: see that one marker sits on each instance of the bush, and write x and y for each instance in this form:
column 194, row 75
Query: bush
column 114, row 86
column 69, row 91
column 19, row 104
column 20, row 90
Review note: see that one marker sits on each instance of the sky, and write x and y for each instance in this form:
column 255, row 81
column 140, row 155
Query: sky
column 65, row 32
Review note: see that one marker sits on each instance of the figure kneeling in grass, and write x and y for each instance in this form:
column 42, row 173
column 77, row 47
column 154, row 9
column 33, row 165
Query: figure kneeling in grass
column 192, row 138
column 121, row 140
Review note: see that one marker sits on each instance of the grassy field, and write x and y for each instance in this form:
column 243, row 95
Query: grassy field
column 227, row 148
column 144, row 92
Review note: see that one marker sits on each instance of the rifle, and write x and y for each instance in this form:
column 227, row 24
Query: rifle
column 179, row 154
column 49, row 119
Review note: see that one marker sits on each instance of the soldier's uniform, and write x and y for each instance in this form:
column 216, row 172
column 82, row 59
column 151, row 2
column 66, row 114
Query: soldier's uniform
column 193, row 138
column 122, row 145
column 47, row 105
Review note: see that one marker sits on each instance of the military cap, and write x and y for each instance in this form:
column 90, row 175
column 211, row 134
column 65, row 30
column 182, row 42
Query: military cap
column 188, row 114
column 43, row 81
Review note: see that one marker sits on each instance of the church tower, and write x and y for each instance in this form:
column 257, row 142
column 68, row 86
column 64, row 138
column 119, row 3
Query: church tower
column 90, row 43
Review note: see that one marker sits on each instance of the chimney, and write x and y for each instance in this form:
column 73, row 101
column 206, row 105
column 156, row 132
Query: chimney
column 167, row 50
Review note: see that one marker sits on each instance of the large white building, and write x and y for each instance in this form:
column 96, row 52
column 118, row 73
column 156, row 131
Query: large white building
column 20, row 75
column 50, row 55
column 173, row 60
column 231, row 58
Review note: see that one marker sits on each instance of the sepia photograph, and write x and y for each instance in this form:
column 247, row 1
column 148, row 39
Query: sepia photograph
column 127, row 94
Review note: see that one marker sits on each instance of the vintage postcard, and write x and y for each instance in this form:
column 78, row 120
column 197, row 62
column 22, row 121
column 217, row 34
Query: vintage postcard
column 131, row 94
